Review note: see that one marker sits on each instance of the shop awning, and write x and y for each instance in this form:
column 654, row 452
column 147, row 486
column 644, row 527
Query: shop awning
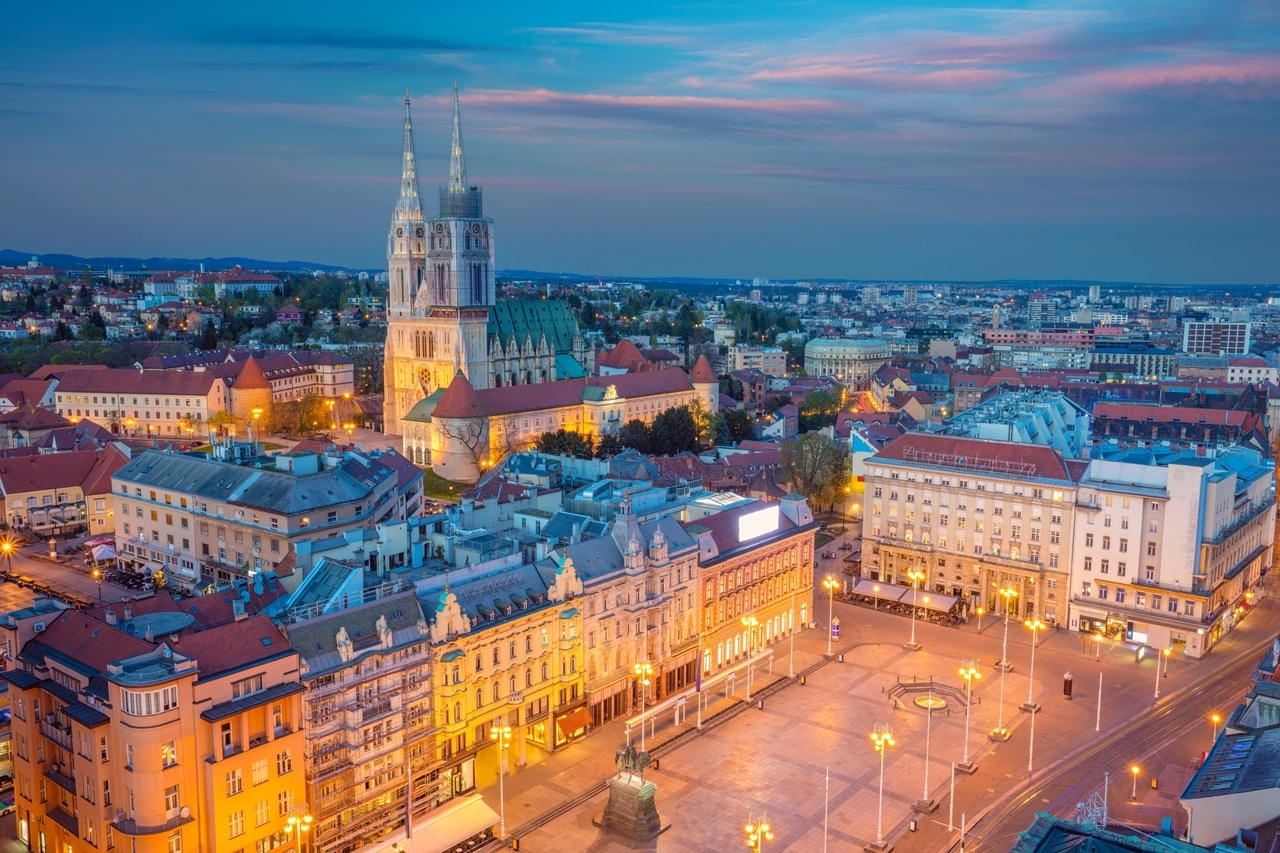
column 104, row 552
column 933, row 601
column 882, row 591
column 452, row 824
column 574, row 721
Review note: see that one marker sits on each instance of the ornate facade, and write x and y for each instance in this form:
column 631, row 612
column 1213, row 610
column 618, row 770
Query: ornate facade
column 443, row 316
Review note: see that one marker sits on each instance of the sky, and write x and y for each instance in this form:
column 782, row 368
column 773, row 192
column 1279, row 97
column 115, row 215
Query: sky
column 1114, row 140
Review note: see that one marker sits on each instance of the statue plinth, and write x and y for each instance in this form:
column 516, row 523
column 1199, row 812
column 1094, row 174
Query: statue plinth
column 631, row 811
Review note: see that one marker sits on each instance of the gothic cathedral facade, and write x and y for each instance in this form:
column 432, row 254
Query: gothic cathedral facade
column 443, row 316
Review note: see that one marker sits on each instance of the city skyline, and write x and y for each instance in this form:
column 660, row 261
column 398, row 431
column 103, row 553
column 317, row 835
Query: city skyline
column 895, row 141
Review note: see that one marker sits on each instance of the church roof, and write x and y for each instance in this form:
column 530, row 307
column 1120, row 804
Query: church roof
column 426, row 407
column 531, row 318
column 702, row 371
column 567, row 367
column 460, row 401
column 623, row 356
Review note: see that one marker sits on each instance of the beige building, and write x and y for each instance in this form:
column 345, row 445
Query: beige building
column 771, row 361
column 976, row 517
column 851, row 361
column 164, row 403
column 61, row 494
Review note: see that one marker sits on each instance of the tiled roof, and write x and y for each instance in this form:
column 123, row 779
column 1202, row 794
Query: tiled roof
column 234, row 645
column 47, row 471
column 30, row 417
column 513, row 399
column 976, row 455
column 702, row 371
column 251, row 376
column 1167, row 414
column 531, row 319
column 130, row 381
column 624, row 355
column 460, row 401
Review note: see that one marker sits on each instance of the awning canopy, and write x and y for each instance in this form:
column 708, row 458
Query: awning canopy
column 574, row 721
column 452, row 824
column 935, row 601
column 883, row 591
column 104, row 552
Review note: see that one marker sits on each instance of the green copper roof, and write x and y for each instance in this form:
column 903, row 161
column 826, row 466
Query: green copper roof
column 530, row 318
column 426, row 406
column 567, row 367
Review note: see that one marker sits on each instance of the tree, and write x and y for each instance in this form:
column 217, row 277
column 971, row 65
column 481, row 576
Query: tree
column 674, row 431
column 562, row 442
column 816, row 467
column 817, row 410
column 731, row 386
column 637, row 435
column 208, row 336
column 222, row 420
column 610, row 445
column 737, row 425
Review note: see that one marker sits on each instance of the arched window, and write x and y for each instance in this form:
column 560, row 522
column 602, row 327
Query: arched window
column 513, row 684
column 546, row 671
column 479, row 698
column 528, row 677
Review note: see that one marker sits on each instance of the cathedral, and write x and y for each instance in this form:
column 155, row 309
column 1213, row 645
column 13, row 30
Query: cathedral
column 443, row 315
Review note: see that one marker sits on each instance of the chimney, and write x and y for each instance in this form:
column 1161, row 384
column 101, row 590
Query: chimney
column 128, row 610
column 111, row 618
column 237, row 608
column 151, row 637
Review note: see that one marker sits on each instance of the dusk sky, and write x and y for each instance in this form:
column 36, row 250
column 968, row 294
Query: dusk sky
column 1095, row 139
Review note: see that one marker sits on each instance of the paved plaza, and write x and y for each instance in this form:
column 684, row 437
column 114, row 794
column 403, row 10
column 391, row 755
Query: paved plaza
column 777, row 759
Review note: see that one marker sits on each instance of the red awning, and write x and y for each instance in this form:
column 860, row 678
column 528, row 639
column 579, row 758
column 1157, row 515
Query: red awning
column 574, row 721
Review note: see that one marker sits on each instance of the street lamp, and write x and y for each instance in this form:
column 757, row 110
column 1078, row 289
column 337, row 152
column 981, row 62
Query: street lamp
column 644, row 671
column 758, row 831
column 875, row 599
column 1214, row 718
column 980, row 612
column 299, row 822
column 6, row 547
column 968, row 671
column 830, row 584
column 1157, row 675
column 1009, row 594
column 1097, row 644
column 349, row 427
column 1166, row 652
column 750, row 622
column 330, row 403
column 882, row 737
column 97, row 578
column 916, row 577
column 501, row 735
column 1135, row 770
column 1036, row 626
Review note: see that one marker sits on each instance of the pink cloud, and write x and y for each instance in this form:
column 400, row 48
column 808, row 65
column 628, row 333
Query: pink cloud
column 1246, row 77
column 547, row 98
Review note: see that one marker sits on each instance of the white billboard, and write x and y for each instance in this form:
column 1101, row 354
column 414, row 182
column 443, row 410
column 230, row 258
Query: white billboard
column 758, row 523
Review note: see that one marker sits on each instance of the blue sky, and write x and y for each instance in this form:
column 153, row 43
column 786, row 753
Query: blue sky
column 1092, row 139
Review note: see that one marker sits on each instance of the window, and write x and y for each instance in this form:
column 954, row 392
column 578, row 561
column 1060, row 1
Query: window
column 145, row 703
column 171, row 799
column 169, row 754
column 1102, row 591
column 1105, row 567
column 1122, row 569
column 1155, row 601
column 1124, row 545
column 235, row 823
column 1151, row 549
column 1088, row 564
column 1053, row 537
column 333, row 516
column 284, row 762
column 1155, row 507
column 1173, row 604
column 1088, row 540
column 259, row 771
column 1084, row 589
column 1106, row 543
column 261, row 813
column 246, row 687
column 1119, row 595
column 1151, row 573
column 284, row 801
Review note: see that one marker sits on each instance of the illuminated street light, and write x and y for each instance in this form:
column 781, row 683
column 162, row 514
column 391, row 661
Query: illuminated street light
column 643, row 671
column 1009, row 594
column 1036, row 626
column 750, row 622
column 882, row 737
column 299, row 822
column 830, row 584
column 968, row 671
column 758, row 831
column 97, row 578
column 1214, row 718
column 501, row 735
column 6, row 547
column 916, row 576
column 1135, row 770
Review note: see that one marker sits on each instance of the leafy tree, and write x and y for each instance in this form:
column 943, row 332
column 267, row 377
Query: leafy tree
column 92, row 331
column 674, row 431
column 62, row 332
column 731, row 386
column 817, row 410
column 609, row 445
column 86, row 276
column 777, row 402
column 208, row 336
column 222, row 420
column 566, row 443
column 637, row 435
column 738, row 426
column 816, row 467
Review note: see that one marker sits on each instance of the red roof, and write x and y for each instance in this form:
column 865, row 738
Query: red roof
column 977, row 455
column 47, row 471
column 1167, row 414
column 251, row 376
column 460, row 400
column 702, row 371
column 624, row 356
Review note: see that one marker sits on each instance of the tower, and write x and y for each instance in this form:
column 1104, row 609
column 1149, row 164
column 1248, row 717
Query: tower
column 440, row 278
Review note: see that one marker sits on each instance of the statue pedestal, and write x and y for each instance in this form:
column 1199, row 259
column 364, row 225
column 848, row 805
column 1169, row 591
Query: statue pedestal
column 631, row 811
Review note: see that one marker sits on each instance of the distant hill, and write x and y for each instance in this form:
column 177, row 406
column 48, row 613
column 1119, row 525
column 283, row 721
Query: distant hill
column 10, row 257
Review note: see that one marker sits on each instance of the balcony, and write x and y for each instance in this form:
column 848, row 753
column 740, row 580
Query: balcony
column 53, row 772
column 58, row 734
column 64, row 819
column 153, row 824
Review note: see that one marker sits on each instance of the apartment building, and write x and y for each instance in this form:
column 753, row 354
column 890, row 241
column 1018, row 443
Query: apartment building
column 506, row 649
column 1171, row 546
column 206, row 521
column 852, row 362
column 135, row 402
column 976, row 516
column 1215, row 337
column 771, row 361
column 143, row 734
column 369, row 718
column 59, row 494
column 755, row 566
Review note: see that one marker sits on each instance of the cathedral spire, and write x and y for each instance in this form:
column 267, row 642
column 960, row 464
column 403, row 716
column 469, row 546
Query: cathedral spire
column 410, row 205
column 457, row 163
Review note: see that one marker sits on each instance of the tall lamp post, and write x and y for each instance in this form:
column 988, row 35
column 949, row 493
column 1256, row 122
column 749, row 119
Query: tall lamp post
column 916, row 577
column 643, row 671
column 6, row 547
column 1036, row 627
column 758, row 831
column 1157, row 675
column 1214, row 718
column 97, row 578
column 1009, row 594
column 968, row 671
column 299, row 822
column 501, row 735
column 830, row 584
column 882, row 737
column 1135, row 770
column 750, row 622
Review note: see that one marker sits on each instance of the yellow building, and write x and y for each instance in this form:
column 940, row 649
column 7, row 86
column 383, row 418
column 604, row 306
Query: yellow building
column 508, row 652
column 59, row 494
column 138, row 733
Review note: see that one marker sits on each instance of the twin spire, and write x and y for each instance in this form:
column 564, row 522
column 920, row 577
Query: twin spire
column 410, row 204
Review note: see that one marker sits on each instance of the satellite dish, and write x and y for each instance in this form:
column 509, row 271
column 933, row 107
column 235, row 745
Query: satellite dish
column 257, row 587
